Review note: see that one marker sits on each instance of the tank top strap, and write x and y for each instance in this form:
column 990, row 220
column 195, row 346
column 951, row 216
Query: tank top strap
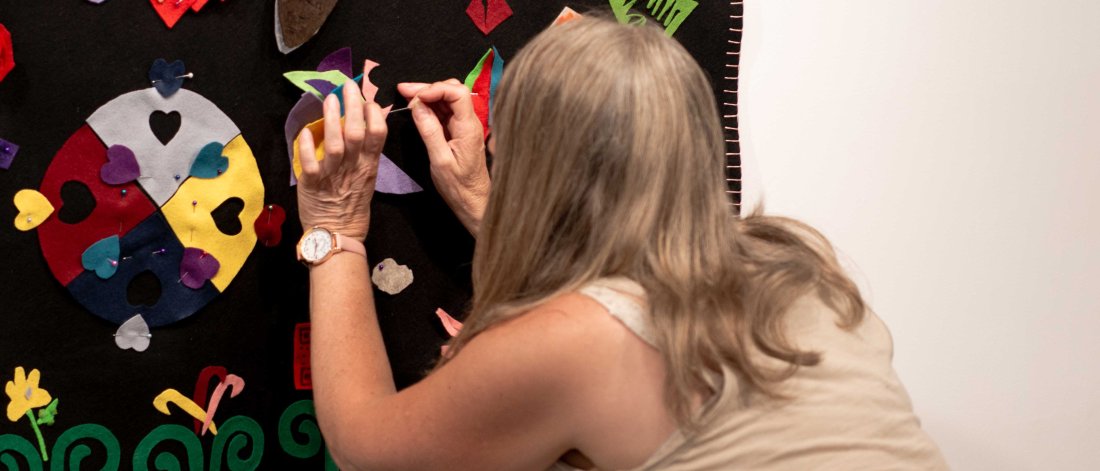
column 625, row 300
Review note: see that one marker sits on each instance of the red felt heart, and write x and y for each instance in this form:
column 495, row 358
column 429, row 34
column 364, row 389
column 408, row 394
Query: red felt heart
column 488, row 15
column 269, row 225
column 171, row 10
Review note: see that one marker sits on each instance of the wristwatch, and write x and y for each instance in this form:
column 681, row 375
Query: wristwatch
column 319, row 244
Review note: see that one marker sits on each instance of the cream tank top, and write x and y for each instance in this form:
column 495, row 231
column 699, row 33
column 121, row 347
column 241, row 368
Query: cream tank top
column 849, row 412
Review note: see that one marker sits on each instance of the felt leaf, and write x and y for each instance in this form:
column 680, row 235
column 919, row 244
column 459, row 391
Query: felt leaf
column 164, row 167
column 196, row 267
column 134, row 333
column 189, row 211
column 296, row 21
column 34, row 208
column 102, row 257
column 269, row 225
column 301, row 78
column 47, row 414
column 450, row 324
column 339, row 59
column 390, row 277
column 7, row 153
column 488, row 14
column 167, row 78
column 79, row 161
column 121, row 167
column 171, row 10
column 482, row 82
column 210, row 163
column 7, row 56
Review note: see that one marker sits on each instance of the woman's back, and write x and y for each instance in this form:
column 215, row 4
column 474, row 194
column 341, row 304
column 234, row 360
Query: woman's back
column 849, row 411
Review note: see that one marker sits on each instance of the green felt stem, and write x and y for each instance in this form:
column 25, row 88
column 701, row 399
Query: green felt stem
column 38, row 433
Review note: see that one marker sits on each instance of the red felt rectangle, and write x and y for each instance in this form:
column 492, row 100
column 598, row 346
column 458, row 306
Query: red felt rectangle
column 303, row 379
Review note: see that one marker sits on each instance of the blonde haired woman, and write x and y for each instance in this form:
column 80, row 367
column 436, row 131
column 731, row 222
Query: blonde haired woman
column 623, row 317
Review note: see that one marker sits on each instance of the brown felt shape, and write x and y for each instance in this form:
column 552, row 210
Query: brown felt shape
column 299, row 20
column 114, row 214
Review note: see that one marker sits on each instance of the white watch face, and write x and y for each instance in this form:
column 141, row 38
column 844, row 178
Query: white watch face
column 316, row 244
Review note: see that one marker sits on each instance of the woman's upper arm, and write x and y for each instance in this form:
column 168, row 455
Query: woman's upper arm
column 511, row 399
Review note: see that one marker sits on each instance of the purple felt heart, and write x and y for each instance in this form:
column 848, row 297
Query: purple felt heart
column 121, row 167
column 196, row 267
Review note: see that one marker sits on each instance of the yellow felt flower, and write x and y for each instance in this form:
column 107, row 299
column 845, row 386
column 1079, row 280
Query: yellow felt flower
column 25, row 394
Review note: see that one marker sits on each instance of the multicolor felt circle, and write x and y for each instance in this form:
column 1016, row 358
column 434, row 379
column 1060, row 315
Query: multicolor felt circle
column 149, row 200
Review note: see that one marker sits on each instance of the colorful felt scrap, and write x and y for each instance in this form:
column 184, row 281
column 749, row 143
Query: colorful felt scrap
column 296, row 21
column 482, row 81
column 670, row 13
column 390, row 277
column 339, row 60
column 172, row 10
column 7, row 55
column 301, row 79
column 488, row 14
column 7, row 153
column 567, row 14
column 34, row 208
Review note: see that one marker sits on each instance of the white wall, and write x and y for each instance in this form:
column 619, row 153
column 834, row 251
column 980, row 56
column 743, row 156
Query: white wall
column 951, row 150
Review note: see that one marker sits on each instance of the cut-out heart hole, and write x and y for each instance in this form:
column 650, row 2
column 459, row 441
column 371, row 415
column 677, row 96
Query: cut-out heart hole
column 77, row 202
column 143, row 290
column 227, row 216
column 165, row 125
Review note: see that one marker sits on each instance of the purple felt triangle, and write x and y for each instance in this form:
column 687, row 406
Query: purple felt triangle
column 324, row 87
column 393, row 180
column 338, row 60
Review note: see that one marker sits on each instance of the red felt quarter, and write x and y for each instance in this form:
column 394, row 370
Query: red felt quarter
column 80, row 160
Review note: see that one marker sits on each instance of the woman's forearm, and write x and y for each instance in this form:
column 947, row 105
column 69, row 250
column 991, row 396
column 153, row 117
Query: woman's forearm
column 349, row 364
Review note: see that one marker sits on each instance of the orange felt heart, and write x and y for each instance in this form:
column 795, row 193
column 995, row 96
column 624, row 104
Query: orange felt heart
column 171, row 10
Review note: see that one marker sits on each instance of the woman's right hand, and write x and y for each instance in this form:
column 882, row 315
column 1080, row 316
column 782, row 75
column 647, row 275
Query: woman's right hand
column 452, row 133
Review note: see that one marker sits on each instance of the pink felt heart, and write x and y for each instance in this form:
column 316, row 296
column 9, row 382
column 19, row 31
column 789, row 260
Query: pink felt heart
column 196, row 267
column 121, row 167
column 171, row 10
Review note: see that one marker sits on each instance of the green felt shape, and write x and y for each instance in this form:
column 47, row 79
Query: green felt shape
column 237, row 433
column 70, row 448
column 47, row 414
column 210, row 163
column 670, row 13
column 303, row 412
column 299, row 78
column 165, row 460
column 102, row 257
column 14, row 445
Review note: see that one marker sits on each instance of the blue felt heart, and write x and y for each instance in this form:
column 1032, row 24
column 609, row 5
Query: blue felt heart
column 168, row 78
column 102, row 257
column 210, row 162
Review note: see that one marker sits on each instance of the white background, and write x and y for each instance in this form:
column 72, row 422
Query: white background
column 950, row 149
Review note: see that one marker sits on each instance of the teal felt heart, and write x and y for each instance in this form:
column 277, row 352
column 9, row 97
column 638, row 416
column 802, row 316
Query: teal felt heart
column 102, row 257
column 210, row 163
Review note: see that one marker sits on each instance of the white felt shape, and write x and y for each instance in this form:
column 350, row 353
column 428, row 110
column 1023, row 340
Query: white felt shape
column 125, row 121
column 134, row 333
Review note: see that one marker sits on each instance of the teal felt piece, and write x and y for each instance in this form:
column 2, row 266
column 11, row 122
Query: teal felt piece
column 102, row 257
column 210, row 163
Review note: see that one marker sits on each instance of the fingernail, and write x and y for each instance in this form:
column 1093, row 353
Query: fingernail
column 419, row 109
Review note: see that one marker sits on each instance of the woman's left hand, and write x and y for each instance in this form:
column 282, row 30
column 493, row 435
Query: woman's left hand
column 335, row 193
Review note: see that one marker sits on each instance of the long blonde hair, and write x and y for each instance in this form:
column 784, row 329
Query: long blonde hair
column 610, row 161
